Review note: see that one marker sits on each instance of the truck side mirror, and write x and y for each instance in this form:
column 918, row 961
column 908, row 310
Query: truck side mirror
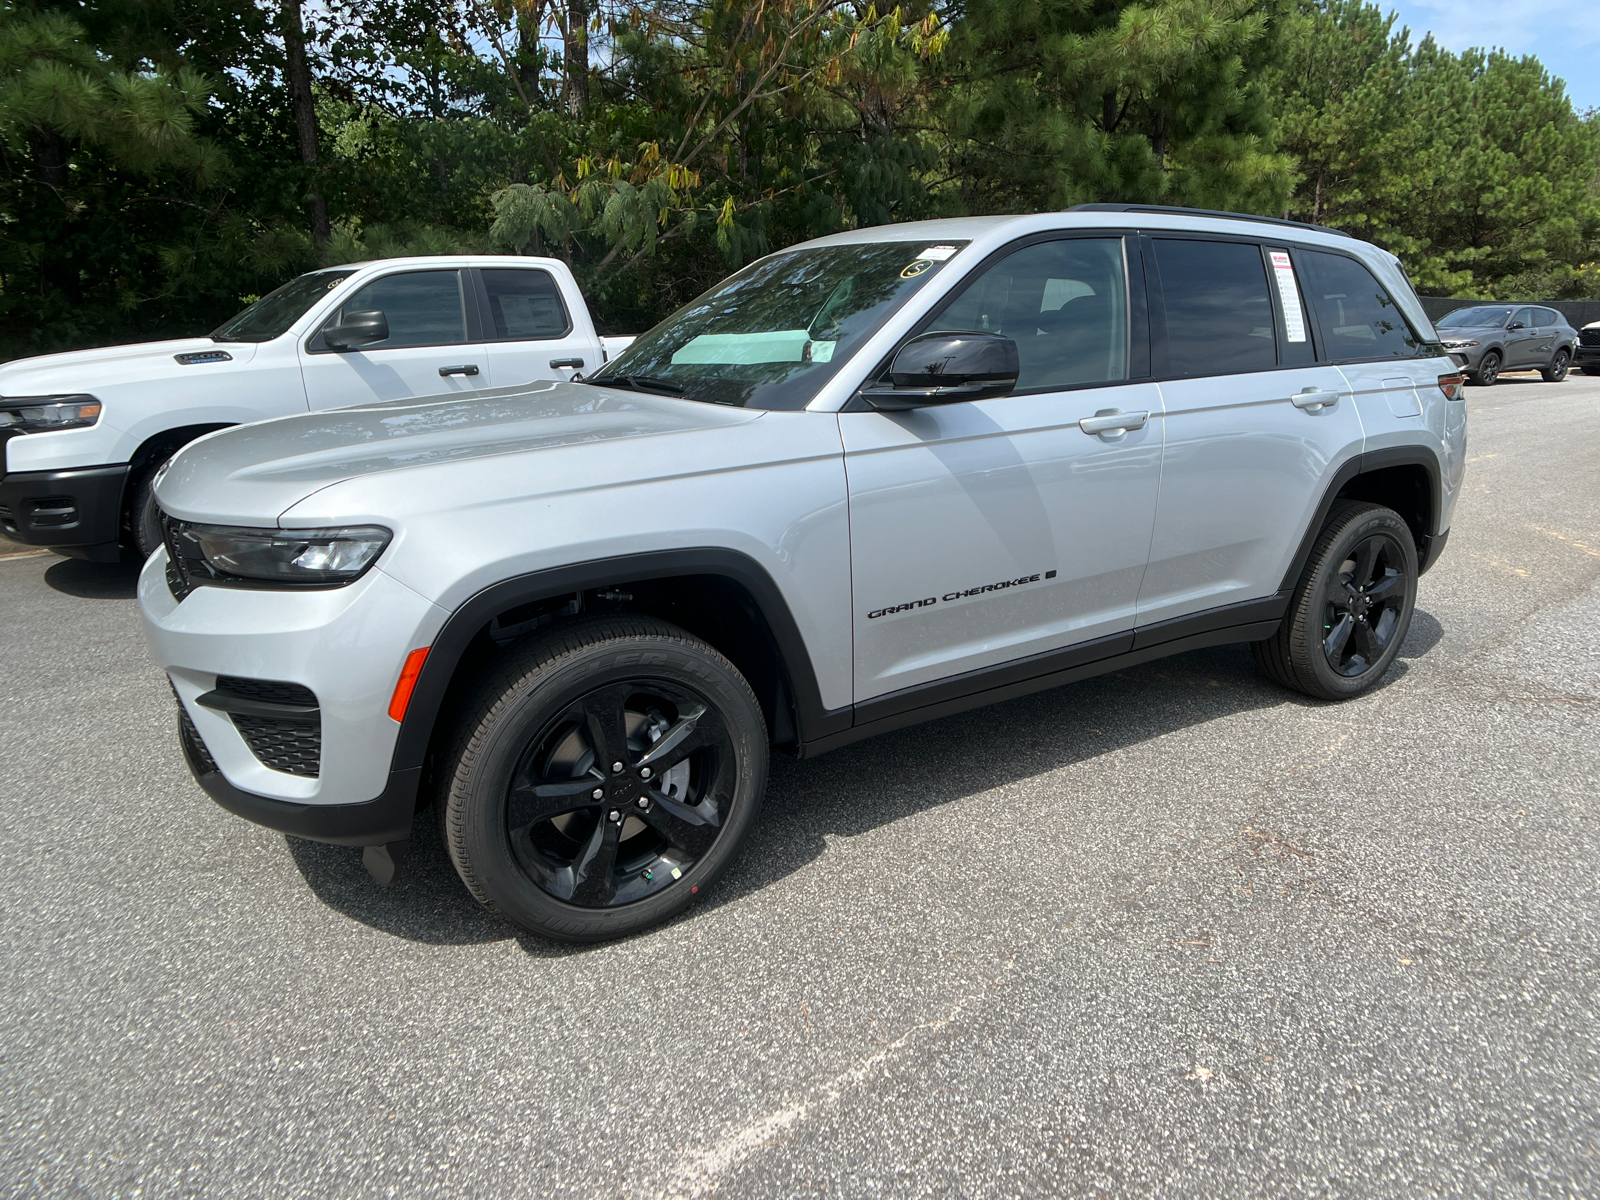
column 946, row 368
column 357, row 329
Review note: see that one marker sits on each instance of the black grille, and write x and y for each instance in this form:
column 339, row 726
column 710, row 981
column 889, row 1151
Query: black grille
column 271, row 691
column 292, row 746
column 1590, row 337
column 290, row 742
column 177, row 570
column 192, row 740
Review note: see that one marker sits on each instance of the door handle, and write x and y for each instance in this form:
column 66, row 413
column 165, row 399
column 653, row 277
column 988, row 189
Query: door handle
column 1113, row 421
column 557, row 363
column 463, row 369
column 1314, row 399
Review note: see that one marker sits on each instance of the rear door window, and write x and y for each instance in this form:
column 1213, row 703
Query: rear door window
column 1358, row 317
column 424, row 308
column 524, row 305
column 1547, row 317
column 1063, row 302
column 1219, row 314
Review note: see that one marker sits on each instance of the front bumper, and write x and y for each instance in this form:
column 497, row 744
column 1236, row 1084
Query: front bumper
column 77, row 512
column 346, row 645
column 1586, row 356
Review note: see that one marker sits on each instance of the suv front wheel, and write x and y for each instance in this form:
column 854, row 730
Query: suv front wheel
column 1351, row 608
column 606, row 776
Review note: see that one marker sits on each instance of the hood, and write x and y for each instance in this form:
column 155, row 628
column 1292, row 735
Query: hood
column 251, row 474
column 84, row 370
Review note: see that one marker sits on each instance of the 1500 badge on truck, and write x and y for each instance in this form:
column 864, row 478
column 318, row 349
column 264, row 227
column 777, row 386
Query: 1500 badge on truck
column 83, row 434
column 867, row 481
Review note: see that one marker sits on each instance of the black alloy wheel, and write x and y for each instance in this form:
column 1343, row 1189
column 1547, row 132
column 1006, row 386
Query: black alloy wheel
column 1351, row 609
column 1557, row 370
column 603, row 777
column 621, row 793
column 1488, row 369
column 1364, row 606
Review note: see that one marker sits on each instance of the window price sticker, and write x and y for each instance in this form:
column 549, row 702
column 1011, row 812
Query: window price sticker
column 1294, row 320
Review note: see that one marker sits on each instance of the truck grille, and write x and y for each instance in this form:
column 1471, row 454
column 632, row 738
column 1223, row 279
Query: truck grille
column 1590, row 337
column 288, row 740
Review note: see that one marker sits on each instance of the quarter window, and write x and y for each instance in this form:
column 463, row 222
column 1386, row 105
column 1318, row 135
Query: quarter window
column 1219, row 315
column 424, row 308
column 1548, row 316
column 1359, row 319
column 525, row 305
column 1063, row 302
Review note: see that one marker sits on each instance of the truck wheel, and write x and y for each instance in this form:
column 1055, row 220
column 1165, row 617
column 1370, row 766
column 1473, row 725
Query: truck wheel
column 1595, row 370
column 1488, row 369
column 1351, row 608
column 144, row 519
column 1557, row 370
column 604, row 778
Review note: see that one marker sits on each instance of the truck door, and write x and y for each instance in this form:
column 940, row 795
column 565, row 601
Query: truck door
column 532, row 331
column 988, row 531
column 1254, row 424
column 433, row 347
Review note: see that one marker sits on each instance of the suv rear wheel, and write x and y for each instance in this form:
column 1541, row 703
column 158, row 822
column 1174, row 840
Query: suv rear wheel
column 1351, row 608
column 606, row 776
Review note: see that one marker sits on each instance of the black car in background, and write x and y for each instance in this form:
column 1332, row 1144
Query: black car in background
column 1488, row 339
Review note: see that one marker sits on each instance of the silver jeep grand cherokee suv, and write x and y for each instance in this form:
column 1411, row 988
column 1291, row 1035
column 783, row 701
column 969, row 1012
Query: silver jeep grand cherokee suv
column 870, row 480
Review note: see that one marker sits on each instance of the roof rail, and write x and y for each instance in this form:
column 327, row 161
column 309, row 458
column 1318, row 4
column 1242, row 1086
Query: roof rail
column 1162, row 209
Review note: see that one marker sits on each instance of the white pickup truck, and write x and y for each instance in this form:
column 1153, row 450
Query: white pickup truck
column 83, row 434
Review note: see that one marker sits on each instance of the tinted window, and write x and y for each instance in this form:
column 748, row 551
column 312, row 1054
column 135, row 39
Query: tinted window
column 1064, row 304
column 1479, row 317
column 524, row 305
column 276, row 311
column 1524, row 317
column 1358, row 318
column 424, row 308
column 1219, row 315
column 1548, row 316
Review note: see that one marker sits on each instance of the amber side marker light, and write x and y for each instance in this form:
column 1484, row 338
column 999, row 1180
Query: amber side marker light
column 407, row 682
column 1451, row 385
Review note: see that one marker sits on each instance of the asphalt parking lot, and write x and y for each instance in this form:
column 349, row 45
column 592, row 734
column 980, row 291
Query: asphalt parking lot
column 1172, row 932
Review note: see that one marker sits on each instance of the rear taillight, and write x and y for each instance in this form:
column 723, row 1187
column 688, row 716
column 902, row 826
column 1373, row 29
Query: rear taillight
column 1451, row 385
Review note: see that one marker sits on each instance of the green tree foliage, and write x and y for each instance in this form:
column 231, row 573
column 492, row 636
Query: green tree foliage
column 165, row 161
column 1472, row 167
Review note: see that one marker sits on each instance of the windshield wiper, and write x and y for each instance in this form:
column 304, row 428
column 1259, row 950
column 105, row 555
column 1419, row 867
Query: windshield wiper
column 640, row 383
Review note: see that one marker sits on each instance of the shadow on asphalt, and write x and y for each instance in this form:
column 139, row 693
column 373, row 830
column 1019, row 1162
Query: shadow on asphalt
column 861, row 787
column 94, row 581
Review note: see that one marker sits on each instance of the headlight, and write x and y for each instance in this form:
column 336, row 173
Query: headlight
column 316, row 557
column 1458, row 345
column 39, row 414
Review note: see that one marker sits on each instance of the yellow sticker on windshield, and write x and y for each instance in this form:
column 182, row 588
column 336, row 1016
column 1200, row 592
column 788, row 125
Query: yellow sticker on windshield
column 915, row 269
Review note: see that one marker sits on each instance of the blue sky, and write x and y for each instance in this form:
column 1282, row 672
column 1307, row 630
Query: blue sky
column 1565, row 34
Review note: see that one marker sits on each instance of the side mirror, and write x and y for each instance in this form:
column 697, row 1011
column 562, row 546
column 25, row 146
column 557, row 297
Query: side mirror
column 946, row 368
column 1516, row 325
column 357, row 329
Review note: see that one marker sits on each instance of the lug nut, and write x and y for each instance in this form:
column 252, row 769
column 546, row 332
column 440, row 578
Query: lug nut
column 644, row 802
column 598, row 793
column 616, row 768
column 644, row 772
column 616, row 815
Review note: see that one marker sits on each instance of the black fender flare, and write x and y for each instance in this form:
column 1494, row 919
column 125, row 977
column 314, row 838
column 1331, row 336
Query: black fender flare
column 450, row 643
column 1361, row 464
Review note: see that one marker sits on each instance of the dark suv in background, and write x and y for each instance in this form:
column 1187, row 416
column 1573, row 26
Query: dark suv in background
column 1487, row 339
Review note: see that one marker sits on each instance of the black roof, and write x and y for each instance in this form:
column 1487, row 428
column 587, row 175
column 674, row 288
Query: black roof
column 1171, row 209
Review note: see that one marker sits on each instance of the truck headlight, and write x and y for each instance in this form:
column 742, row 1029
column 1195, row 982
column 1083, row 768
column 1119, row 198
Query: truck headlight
column 316, row 557
column 40, row 414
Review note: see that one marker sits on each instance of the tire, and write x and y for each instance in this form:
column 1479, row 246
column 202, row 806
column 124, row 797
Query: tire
column 1364, row 551
column 1557, row 370
column 1488, row 369
column 144, row 520
column 1592, row 370
column 520, row 815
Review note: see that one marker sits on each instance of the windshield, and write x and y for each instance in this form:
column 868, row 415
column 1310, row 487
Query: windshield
column 1473, row 318
column 277, row 310
column 772, row 335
